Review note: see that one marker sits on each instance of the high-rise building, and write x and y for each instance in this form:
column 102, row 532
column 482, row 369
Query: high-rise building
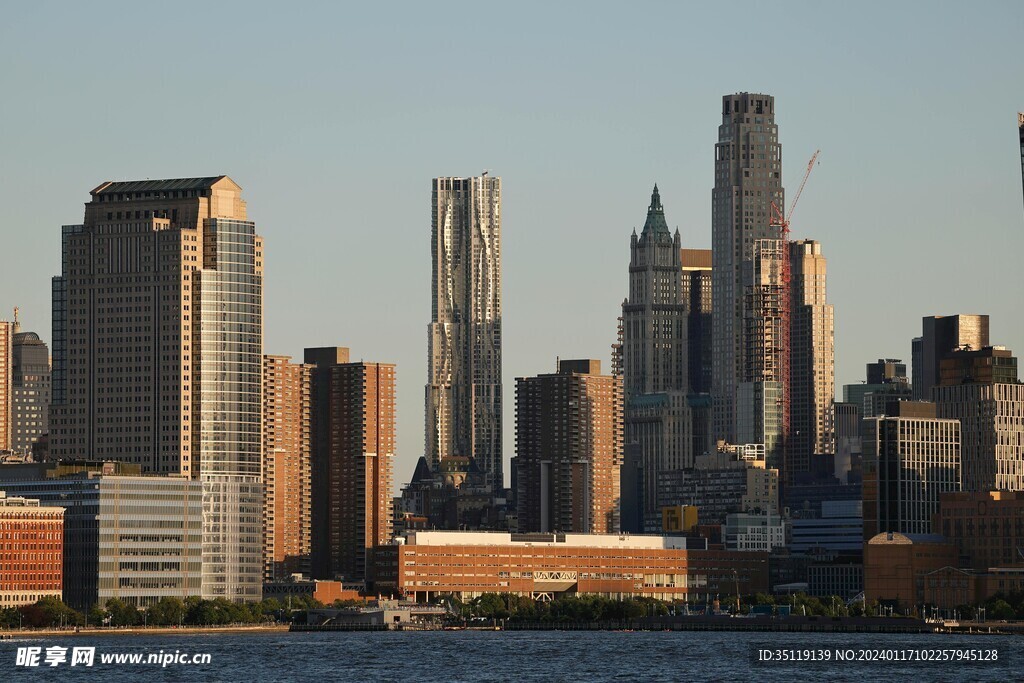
column 6, row 389
column 157, row 351
column 463, row 392
column 941, row 335
column 910, row 458
column 749, row 373
column 696, row 264
column 981, row 390
column 812, row 361
column 655, row 361
column 287, row 444
column 30, row 389
column 353, row 416
column 569, row 449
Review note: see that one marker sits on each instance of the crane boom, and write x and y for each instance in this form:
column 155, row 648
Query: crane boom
column 807, row 174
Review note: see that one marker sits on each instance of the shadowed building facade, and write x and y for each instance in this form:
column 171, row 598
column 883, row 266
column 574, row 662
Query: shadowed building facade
column 463, row 392
column 749, row 339
column 157, row 351
column 911, row 457
column 353, row 415
column 569, row 449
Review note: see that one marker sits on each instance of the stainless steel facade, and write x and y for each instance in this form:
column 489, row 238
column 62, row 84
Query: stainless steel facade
column 463, row 392
column 138, row 539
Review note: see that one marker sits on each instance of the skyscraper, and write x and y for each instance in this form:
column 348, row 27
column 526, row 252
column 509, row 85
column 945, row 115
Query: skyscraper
column 749, row 336
column 569, row 449
column 287, row 444
column 812, row 365
column 941, row 335
column 30, row 389
column 6, row 389
column 353, row 417
column 655, row 358
column 463, row 392
column 158, row 336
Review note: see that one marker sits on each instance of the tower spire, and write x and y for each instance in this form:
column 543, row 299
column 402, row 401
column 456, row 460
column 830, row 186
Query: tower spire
column 656, row 216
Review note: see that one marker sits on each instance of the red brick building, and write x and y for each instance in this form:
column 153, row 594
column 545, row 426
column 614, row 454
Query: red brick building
column 31, row 551
column 425, row 564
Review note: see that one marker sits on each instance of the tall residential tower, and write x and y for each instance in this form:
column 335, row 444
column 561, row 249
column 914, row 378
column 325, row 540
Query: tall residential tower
column 812, row 362
column 158, row 342
column 749, row 293
column 463, row 392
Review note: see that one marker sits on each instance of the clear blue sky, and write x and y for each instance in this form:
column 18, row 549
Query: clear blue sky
column 334, row 117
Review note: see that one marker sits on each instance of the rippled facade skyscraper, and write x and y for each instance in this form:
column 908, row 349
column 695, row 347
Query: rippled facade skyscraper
column 463, row 392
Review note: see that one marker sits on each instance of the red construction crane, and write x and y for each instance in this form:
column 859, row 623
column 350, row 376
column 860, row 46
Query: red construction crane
column 781, row 221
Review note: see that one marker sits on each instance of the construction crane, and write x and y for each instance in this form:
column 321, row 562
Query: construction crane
column 781, row 221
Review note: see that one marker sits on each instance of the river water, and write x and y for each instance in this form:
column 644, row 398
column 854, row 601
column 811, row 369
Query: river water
column 521, row 656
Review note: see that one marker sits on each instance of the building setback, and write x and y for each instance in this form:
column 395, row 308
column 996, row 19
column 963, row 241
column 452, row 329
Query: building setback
column 569, row 449
column 287, row 445
column 812, row 365
column 543, row 566
column 157, row 351
column 32, row 551
column 748, row 367
column 353, row 417
column 911, row 458
column 463, row 392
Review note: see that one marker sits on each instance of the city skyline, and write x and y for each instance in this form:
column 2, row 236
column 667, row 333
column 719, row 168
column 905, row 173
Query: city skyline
column 873, row 209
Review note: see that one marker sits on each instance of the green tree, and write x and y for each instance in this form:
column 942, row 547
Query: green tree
column 166, row 612
column 121, row 613
column 1000, row 609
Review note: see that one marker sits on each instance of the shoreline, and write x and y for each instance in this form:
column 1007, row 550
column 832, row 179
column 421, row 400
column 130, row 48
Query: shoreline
column 8, row 634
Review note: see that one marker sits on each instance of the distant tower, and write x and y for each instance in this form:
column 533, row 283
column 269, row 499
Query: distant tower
column 812, row 366
column 748, row 386
column 30, row 373
column 463, row 392
column 655, row 362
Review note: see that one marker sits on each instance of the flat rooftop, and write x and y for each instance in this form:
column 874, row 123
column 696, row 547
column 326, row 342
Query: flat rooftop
column 446, row 538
